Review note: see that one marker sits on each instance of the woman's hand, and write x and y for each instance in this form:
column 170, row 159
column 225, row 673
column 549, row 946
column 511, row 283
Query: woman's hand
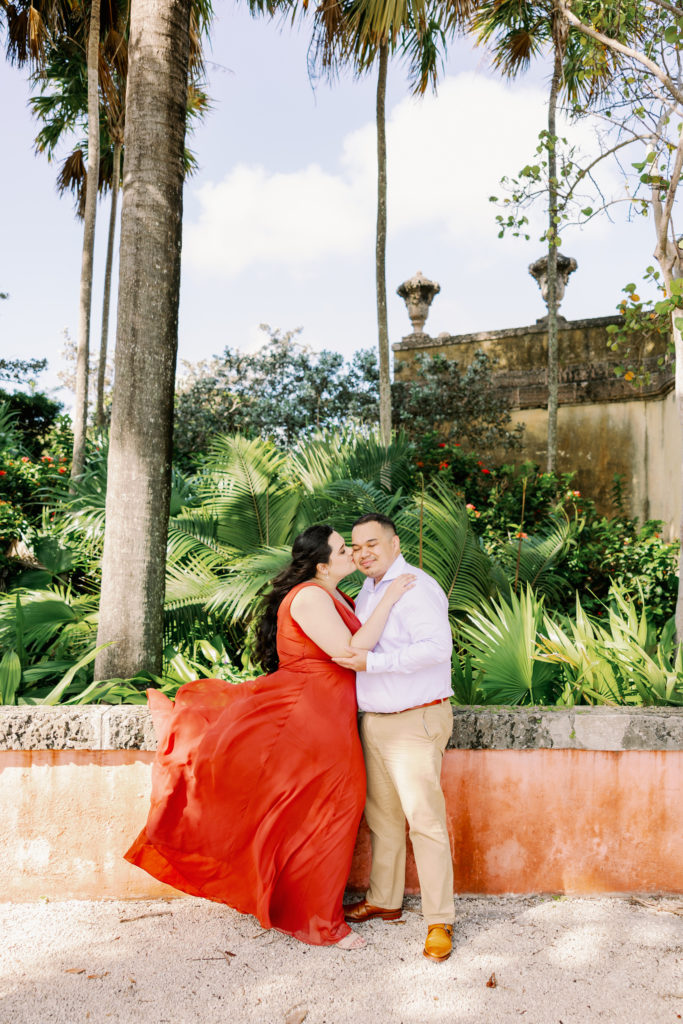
column 398, row 587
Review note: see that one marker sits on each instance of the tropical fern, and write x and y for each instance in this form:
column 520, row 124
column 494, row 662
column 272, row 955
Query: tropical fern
column 436, row 535
column 502, row 642
column 533, row 560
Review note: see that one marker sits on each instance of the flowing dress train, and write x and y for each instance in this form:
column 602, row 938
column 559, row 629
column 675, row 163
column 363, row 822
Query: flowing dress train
column 258, row 788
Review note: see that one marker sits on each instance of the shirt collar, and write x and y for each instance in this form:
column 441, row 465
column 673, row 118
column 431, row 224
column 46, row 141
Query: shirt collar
column 398, row 566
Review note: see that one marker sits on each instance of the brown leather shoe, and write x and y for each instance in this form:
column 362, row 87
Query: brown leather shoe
column 364, row 911
column 439, row 944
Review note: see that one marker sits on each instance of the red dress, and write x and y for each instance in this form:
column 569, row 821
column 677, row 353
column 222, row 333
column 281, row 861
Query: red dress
column 258, row 789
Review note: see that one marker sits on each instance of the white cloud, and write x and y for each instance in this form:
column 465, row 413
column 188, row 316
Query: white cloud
column 254, row 216
column 446, row 155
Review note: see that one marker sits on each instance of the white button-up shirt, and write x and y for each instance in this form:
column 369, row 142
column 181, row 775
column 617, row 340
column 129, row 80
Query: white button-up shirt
column 411, row 664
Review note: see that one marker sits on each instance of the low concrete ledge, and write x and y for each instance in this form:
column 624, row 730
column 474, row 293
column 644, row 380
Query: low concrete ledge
column 84, row 727
column 580, row 728
column 129, row 727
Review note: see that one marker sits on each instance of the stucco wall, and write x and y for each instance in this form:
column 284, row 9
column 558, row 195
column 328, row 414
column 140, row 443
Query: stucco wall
column 606, row 425
column 640, row 440
column 538, row 800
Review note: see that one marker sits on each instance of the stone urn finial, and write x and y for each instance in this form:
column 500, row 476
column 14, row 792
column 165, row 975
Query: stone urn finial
column 566, row 265
column 417, row 293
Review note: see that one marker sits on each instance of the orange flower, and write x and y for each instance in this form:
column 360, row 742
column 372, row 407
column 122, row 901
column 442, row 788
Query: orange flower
column 629, row 375
column 522, row 535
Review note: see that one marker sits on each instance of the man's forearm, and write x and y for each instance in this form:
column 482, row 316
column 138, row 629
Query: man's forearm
column 413, row 657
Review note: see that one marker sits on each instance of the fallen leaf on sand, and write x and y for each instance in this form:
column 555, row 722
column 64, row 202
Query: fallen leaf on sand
column 492, row 983
column 75, row 970
column 661, row 908
column 139, row 917
column 103, row 975
column 296, row 1015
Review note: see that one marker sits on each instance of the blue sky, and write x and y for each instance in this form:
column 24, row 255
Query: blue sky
column 279, row 221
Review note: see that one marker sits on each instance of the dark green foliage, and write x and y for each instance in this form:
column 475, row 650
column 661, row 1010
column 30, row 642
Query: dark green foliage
column 459, row 405
column 35, row 416
column 283, row 391
column 20, row 369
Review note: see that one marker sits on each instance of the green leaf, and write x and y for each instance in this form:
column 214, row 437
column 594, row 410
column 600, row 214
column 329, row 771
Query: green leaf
column 587, row 211
column 10, row 677
column 56, row 694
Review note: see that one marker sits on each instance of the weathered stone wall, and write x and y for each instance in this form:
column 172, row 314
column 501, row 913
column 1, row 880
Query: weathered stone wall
column 98, row 727
column 582, row 800
column 606, row 425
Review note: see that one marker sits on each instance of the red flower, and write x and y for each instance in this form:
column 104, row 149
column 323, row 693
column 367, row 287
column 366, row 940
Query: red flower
column 62, row 469
column 3, row 472
column 420, row 464
column 480, row 463
column 62, row 458
column 486, row 470
column 442, row 444
column 443, row 465
column 457, row 444
column 25, row 458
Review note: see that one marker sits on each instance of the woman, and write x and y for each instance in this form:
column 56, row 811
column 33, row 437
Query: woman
column 258, row 789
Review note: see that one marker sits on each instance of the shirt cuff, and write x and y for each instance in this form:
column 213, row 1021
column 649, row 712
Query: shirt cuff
column 376, row 662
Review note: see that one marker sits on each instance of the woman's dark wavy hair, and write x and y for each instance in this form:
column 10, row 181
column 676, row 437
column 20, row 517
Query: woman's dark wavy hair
column 310, row 547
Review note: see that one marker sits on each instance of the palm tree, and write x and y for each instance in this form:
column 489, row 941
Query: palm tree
column 361, row 34
column 61, row 106
column 31, row 27
column 518, row 32
column 139, row 468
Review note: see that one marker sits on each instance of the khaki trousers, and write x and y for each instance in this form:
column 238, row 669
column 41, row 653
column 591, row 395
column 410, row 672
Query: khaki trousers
column 403, row 754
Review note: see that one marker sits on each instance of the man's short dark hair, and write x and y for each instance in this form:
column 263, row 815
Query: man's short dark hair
column 376, row 517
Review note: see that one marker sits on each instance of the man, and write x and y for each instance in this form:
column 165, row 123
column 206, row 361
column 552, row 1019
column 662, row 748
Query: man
column 404, row 689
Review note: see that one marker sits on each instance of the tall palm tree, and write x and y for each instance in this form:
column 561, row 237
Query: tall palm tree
column 362, row 34
column 519, row 31
column 139, row 465
column 32, row 24
column 61, row 106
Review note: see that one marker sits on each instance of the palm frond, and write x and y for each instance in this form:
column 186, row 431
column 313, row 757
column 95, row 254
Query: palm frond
column 533, row 560
column 502, row 642
column 244, row 486
column 436, row 534
column 236, row 595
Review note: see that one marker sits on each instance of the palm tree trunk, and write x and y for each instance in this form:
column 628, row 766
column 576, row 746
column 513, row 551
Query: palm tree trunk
column 139, row 469
column 553, row 357
column 83, row 352
column 104, row 338
column 380, row 250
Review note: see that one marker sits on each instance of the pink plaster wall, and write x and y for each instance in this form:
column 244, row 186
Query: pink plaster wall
column 520, row 821
column 575, row 821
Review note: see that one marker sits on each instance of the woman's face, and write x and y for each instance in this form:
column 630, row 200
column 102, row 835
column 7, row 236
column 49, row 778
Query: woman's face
column 340, row 563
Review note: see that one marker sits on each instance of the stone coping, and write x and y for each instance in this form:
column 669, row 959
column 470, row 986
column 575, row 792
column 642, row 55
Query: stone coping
column 422, row 340
column 129, row 727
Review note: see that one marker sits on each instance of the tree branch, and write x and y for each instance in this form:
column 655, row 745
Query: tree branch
column 614, row 44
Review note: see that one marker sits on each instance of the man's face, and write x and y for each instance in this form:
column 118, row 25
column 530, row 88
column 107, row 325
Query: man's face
column 374, row 548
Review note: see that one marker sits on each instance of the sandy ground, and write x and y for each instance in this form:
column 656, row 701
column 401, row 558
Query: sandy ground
column 537, row 960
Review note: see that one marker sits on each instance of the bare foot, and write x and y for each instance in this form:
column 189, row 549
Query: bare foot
column 351, row 941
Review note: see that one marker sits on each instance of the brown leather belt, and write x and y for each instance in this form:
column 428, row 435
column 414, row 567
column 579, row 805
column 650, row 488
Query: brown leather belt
column 429, row 704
